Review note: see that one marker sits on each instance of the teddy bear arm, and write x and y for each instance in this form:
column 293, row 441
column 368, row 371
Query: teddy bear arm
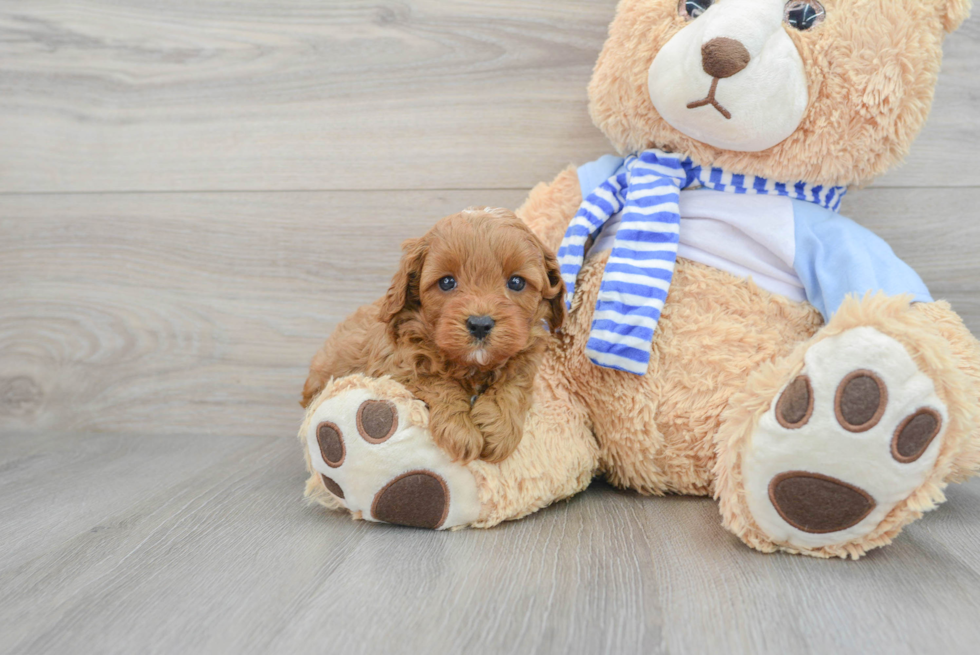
column 549, row 208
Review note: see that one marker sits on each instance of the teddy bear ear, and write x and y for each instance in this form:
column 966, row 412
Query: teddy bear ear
column 956, row 11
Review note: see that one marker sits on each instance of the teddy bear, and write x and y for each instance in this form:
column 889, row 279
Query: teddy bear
column 730, row 334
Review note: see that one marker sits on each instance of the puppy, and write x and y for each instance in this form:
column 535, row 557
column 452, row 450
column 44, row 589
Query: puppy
column 463, row 327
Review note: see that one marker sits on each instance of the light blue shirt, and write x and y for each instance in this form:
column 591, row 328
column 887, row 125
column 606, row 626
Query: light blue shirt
column 834, row 256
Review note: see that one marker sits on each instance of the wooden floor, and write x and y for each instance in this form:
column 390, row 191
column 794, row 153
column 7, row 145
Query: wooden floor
column 133, row 543
column 192, row 194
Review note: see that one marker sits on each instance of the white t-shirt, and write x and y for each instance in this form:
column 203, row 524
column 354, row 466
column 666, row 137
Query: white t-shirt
column 750, row 236
column 791, row 247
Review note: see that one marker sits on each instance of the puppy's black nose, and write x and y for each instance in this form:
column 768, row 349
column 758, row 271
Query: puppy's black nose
column 480, row 326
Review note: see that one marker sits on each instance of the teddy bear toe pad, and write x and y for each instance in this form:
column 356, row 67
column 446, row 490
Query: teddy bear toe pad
column 844, row 443
column 384, row 466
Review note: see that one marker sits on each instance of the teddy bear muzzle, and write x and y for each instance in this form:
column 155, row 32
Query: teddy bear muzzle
column 732, row 78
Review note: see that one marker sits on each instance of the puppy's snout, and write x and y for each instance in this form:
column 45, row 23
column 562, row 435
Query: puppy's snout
column 480, row 326
column 723, row 57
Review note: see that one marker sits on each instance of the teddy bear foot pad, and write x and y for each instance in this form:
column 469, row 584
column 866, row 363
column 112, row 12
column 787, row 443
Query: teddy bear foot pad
column 845, row 442
column 375, row 456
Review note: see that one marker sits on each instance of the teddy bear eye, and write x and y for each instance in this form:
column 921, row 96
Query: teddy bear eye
column 804, row 14
column 691, row 9
column 516, row 283
column 447, row 283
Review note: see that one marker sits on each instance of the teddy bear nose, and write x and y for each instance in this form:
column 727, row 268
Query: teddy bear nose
column 480, row 326
column 723, row 57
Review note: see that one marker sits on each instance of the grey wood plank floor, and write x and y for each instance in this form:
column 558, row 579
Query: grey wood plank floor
column 136, row 554
column 193, row 194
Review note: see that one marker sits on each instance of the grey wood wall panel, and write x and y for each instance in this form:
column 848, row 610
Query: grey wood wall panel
column 303, row 94
column 199, row 313
column 230, row 561
column 194, row 314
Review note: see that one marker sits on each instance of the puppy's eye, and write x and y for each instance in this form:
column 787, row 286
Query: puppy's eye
column 516, row 283
column 804, row 14
column 691, row 9
column 447, row 283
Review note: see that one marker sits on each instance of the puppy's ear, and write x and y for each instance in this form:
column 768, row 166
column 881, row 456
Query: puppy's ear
column 403, row 295
column 554, row 293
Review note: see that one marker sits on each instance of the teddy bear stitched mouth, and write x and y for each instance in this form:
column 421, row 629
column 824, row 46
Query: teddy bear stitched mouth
column 711, row 100
column 721, row 58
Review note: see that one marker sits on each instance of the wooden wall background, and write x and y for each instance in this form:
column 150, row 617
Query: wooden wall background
column 192, row 194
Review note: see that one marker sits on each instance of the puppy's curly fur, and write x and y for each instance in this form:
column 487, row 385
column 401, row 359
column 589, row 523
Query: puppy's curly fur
column 478, row 390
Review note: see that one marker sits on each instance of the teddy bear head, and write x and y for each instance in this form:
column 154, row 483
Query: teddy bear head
column 823, row 91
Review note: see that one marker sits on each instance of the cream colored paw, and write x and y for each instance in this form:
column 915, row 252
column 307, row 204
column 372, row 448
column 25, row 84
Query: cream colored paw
column 844, row 443
column 371, row 448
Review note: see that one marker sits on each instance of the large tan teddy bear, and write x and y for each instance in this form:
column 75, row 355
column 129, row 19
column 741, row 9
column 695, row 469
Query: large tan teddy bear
column 730, row 333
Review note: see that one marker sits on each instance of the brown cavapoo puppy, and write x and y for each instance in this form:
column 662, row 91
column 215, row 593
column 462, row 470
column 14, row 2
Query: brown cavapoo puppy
column 463, row 326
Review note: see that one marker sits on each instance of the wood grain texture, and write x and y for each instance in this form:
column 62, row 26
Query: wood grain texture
column 305, row 94
column 199, row 313
column 299, row 94
column 57, row 485
column 227, row 560
column 192, row 314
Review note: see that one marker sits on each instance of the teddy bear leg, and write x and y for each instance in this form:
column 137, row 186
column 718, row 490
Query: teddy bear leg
column 965, row 350
column 834, row 450
column 369, row 451
column 557, row 457
column 549, row 208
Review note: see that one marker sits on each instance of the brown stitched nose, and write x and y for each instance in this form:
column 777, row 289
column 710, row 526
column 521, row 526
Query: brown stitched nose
column 723, row 57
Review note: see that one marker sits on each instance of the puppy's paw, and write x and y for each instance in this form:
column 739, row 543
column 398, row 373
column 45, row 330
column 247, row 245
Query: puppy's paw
column 371, row 453
column 494, row 454
column 462, row 442
column 497, row 448
column 501, row 424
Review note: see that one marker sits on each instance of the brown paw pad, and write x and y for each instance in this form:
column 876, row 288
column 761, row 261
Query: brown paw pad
column 418, row 499
column 377, row 420
column 795, row 406
column 332, row 487
column 913, row 436
column 331, row 442
column 861, row 401
column 818, row 504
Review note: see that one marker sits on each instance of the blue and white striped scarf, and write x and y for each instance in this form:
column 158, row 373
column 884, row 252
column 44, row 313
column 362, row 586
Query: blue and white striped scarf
column 641, row 266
